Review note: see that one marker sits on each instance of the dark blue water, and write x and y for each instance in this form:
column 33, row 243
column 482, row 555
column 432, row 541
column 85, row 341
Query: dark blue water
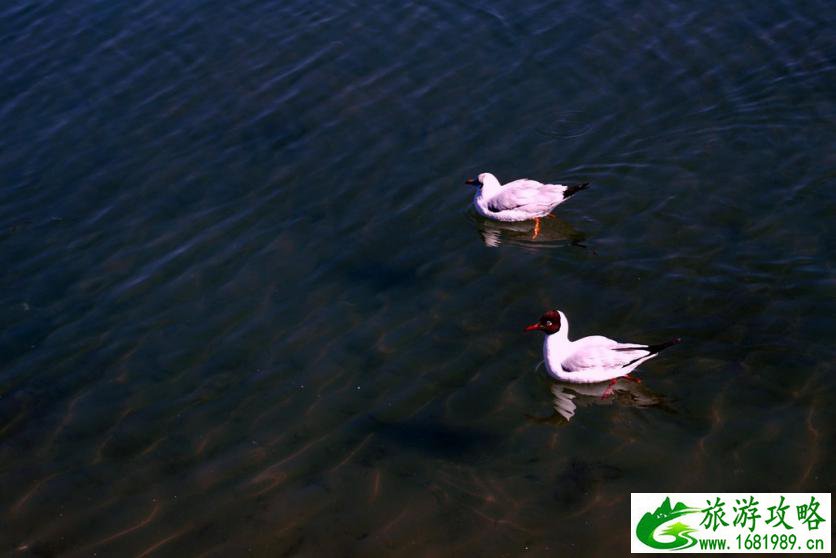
column 247, row 309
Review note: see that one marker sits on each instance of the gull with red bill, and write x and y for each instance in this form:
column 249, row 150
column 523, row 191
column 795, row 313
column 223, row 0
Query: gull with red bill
column 589, row 359
column 520, row 200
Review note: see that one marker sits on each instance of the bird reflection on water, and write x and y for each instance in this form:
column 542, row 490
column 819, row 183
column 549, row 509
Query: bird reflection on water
column 554, row 232
column 569, row 397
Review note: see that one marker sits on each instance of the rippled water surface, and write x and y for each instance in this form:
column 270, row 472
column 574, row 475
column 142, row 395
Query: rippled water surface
column 247, row 309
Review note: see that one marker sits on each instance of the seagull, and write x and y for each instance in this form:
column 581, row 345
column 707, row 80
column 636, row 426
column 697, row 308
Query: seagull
column 590, row 359
column 520, row 200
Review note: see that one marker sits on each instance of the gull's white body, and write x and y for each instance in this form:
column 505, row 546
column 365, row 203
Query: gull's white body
column 519, row 200
column 590, row 359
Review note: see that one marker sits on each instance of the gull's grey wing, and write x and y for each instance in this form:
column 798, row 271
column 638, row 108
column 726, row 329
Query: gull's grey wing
column 527, row 195
column 603, row 356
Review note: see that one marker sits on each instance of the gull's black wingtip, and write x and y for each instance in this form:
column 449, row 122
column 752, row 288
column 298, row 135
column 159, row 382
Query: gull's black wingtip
column 661, row 346
column 573, row 189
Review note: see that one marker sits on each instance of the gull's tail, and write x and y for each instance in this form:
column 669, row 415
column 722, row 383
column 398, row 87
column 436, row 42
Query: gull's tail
column 652, row 350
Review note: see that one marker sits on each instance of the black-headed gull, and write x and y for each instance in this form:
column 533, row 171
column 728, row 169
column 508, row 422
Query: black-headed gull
column 520, row 200
column 589, row 359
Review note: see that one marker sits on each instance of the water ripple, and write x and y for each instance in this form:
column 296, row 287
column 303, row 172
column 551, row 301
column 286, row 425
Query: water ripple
column 241, row 269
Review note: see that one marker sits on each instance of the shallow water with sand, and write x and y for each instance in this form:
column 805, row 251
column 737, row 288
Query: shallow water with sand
column 247, row 309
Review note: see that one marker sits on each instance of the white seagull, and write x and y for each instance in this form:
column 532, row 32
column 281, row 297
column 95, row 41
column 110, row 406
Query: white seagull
column 520, row 200
column 589, row 359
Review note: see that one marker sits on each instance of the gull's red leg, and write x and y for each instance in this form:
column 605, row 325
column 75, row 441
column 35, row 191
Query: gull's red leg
column 536, row 228
column 632, row 379
column 608, row 391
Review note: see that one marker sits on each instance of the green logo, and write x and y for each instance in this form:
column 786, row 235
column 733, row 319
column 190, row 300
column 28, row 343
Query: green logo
column 681, row 533
column 763, row 526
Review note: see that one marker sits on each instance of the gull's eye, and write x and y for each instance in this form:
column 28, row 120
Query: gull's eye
column 548, row 323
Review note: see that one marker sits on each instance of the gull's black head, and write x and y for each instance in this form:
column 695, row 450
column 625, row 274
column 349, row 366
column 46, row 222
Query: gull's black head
column 549, row 323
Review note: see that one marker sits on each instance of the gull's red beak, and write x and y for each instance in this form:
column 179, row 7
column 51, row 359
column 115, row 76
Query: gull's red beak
column 471, row 181
column 533, row 327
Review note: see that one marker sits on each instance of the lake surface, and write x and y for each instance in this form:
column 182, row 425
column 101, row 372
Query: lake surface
column 247, row 308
